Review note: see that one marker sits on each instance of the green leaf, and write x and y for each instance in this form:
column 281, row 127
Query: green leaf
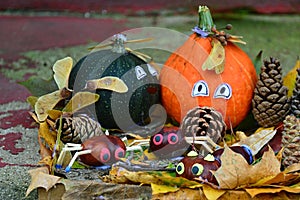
column 258, row 61
column 32, row 100
column 38, row 86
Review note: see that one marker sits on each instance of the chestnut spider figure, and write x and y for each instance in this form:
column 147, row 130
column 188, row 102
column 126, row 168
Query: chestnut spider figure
column 95, row 151
column 170, row 143
column 200, row 167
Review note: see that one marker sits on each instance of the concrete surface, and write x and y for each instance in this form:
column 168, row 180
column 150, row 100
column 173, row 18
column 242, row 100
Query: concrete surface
column 19, row 151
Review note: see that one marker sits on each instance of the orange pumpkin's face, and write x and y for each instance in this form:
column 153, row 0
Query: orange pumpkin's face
column 185, row 85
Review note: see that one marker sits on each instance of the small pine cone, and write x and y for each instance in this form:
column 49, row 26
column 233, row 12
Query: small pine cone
column 204, row 121
column 270, row 103
column 295, row 101
column 291, row 141
column 78, row 128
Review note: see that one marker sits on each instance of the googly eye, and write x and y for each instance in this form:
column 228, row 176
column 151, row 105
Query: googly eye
column 200, row 89
column 119, row 153
column 157, row 139
column 152, row 71
column 180, row 168
column 172, row 138
column 104, row 155
column 140, row 72
column 197, row 169
column 223, row 91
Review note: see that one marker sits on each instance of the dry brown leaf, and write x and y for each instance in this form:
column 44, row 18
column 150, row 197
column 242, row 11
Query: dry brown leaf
column 46, row 134
column 279, row 179
column 40, row 178
column 97, row 190
column 255, row 191
column 182, row 194
column 236, row 172
column 45, row 103
column 293, row 168
column 44, row 151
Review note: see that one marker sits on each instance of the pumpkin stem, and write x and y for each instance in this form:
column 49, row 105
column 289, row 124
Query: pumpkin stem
column 118, row 43
column 205, row 19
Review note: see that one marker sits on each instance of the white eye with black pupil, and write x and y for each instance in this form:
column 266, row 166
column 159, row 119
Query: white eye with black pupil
column 223, row 91
column 200, row 89
column 140, row 72
column 152, row 71
column 180, row 168
column 197, row 169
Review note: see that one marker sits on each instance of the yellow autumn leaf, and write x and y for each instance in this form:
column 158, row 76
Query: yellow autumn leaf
column 45, row 103
column 236, row 172
column 290, row 78
column 62, row 69
column 279, row 179
column 216, row 58
column 255, row 191
column 80, row 100
column 40, row 178
column 107, row 83
column 54, row 114
column 158, row 189
column 45, row 133
column 212, row 193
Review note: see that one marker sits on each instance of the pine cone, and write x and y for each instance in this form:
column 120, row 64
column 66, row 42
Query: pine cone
column 78, row 128
column 291, row 141
column 295, row 101
column 204, row 121
column 270, row 103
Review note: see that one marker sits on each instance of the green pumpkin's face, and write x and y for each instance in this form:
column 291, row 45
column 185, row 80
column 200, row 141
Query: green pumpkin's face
column 126, row 111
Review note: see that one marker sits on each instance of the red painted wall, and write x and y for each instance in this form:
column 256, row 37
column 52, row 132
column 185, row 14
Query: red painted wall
column 134, row 6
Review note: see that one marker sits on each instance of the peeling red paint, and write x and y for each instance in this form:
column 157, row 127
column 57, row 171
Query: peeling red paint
column 3, row 164
column 8, row 142
column 16, row 117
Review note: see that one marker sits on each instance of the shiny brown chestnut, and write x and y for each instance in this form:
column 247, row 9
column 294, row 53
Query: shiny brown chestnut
column 95, row 151
column 105, row 150
column 198, row 167
column 168, row 143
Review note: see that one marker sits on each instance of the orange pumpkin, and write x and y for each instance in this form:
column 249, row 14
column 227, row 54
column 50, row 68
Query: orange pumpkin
column 186, row 85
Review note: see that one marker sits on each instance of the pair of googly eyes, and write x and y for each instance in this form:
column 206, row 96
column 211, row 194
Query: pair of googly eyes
column 196, row 169
column 105, row 154
column 158, row 138
column 222, row 91
column 140, row 72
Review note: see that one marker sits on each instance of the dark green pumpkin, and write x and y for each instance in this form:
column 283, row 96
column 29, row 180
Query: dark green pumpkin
column 113, row 109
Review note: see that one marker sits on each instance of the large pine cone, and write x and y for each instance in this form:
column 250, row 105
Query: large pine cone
column 204, row 121
column 291, row 141
column 295, row 102
column 77, row 129
column 270, row 103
